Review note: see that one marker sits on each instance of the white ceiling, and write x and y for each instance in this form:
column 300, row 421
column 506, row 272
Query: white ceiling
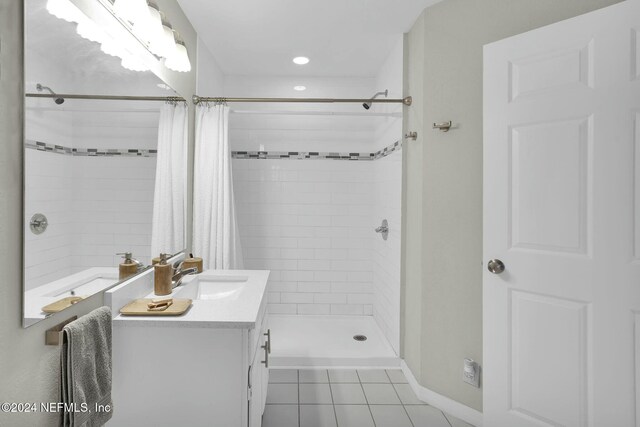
column 342, row 37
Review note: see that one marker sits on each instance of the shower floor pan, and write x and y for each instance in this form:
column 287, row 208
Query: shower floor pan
column 328, row 341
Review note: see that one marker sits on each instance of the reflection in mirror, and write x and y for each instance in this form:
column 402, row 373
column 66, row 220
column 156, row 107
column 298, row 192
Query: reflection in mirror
column 104, row 175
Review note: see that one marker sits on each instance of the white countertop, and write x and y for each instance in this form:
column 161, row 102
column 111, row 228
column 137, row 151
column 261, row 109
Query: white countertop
column 238, row 311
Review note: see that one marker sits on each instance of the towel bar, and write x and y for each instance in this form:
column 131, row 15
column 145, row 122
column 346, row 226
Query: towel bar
column 52, row 335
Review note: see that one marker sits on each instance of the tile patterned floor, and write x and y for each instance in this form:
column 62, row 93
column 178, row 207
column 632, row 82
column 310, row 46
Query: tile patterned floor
column 348, row 398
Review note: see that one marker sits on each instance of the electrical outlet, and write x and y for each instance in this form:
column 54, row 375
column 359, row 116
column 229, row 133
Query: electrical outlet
column 471, row 372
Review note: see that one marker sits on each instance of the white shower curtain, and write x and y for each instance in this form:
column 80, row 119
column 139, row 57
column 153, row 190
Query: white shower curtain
column 169, row 207
column 215, row 230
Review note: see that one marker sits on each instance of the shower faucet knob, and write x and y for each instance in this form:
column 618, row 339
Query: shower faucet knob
column 383, row 229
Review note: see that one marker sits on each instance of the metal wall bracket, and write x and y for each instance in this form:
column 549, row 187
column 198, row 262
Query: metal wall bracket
column 53, row 336
column 444, row 126
column 411, row 135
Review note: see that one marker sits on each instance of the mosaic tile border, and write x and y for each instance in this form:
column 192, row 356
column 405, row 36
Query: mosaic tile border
column 257, row 155
column 315, row 155
column 90, row 152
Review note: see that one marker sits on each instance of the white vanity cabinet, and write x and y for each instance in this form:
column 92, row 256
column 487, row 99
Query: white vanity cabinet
column 205, row 368
column 258, row 376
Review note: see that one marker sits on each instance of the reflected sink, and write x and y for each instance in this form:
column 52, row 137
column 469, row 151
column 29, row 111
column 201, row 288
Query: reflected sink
column 84, row 288
column 211, row 287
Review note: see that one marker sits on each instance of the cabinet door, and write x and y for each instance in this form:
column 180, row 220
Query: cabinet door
column 256, row 391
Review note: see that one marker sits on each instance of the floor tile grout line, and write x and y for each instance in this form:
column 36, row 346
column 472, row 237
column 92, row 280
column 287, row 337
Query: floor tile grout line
column 298, row 384
column 401, row 402
column 366, row 399
column 333, row 402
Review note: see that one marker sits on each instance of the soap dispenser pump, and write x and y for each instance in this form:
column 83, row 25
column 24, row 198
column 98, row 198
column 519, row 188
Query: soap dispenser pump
column 162, row 276
column 129, row 267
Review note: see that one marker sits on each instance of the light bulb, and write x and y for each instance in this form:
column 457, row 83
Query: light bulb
column 131, row 10
column 112, row 47
column 179, row 61
column 165, row 45
column 301, row 60
column 64, row 9
column 149, row 28
column 89, row 30
column 132, row 63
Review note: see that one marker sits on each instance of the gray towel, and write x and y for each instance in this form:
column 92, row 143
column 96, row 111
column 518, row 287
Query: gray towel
column 86, row 370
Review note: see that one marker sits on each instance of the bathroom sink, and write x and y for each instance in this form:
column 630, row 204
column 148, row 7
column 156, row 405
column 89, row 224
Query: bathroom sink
column 212, row 287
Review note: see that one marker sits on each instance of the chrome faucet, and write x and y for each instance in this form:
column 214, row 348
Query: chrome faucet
column 176, row 280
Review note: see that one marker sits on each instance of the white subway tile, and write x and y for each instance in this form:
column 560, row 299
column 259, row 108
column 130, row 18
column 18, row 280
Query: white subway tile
column 331, row 254
column 282, row 308
column 314, row 309
column 351, row 287
column 314, row 265
column 349, row 309
column 296, row 298
column 273, row 297
column 360, row 298
column 296, row 276
column 297, row 253
column 282, row 286
column 317, row 242
column 330, row 276
column 320, row 287
column 329, row 298
column 351, row 265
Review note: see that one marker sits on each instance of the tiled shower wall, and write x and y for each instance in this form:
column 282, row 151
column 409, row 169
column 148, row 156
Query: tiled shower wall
column 96, row 207
column 310, row 223
column 112, row 210
column 49, row 190
column 385, row 254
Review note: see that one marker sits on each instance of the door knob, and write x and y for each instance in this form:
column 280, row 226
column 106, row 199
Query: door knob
column 495, row 266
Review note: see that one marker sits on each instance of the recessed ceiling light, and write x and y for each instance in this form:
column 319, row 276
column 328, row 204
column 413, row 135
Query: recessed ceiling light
column 301, row 60
column 299, row 88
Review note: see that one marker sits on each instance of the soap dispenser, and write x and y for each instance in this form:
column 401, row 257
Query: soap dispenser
column 162, row 274
column 129, row 267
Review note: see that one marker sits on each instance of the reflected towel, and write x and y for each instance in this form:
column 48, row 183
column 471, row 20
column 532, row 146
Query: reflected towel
column 86, row 370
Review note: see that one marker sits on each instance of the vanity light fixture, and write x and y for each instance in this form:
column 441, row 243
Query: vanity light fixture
column 301, row 60
column 300, row 88
column 133, row 20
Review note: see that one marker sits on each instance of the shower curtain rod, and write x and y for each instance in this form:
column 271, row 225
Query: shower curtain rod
column 107, row 97
column 406, row 101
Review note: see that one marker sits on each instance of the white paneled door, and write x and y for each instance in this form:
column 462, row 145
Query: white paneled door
column 562, row 215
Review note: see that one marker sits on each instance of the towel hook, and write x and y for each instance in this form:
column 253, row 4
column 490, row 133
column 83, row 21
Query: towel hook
column 444, row 126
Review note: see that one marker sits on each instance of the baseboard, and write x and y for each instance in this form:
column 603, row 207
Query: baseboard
column 441, row 402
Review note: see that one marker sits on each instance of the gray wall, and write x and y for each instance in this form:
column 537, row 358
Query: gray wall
column 29, row 370
column 442, row 271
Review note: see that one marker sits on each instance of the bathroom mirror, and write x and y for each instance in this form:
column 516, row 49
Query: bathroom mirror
column 91, row 162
